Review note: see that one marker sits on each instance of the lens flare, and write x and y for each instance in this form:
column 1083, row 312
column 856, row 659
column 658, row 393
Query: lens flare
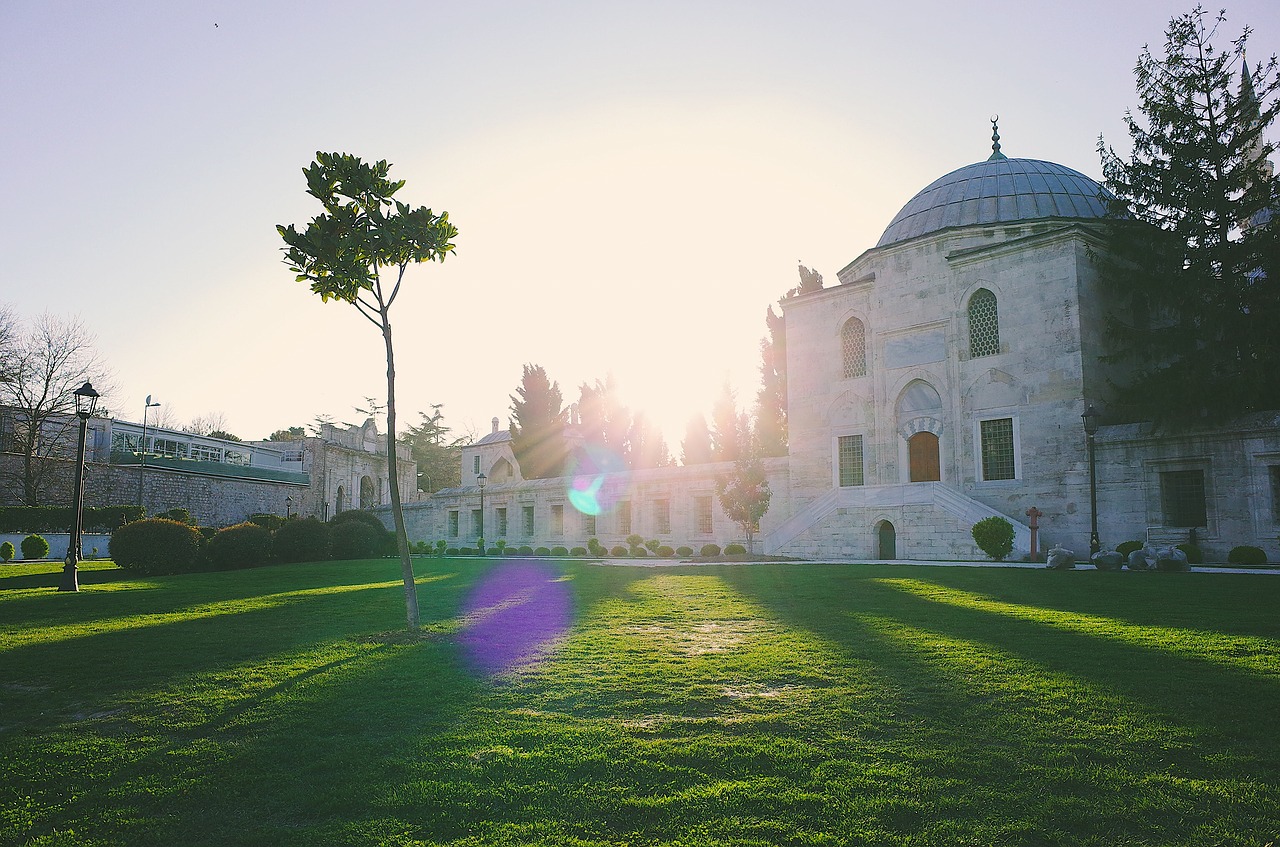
column 597, row 480
column 516, row 614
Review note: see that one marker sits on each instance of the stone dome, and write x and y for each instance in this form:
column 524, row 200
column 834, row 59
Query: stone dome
column 998, row 191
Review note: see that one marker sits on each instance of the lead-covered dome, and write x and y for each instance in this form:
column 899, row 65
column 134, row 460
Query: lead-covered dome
column 998, row 191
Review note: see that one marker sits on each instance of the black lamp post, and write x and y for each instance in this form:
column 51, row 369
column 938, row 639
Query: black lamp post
column 288, row 507
column 1090, row 418
column 142, row 446
column 86, row 405
column 481, row 480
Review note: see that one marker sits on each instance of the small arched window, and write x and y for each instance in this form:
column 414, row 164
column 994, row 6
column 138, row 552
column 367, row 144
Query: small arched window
column 853, row 349
column 984, row 324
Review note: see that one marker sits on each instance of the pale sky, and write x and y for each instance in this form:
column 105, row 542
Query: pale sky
column 633, row 182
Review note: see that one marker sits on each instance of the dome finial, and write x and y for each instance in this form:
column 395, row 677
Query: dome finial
column 995, row 140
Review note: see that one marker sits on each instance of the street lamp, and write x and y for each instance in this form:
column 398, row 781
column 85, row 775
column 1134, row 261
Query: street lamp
column 481, row 480
column 142, row 447
column 1090, row 418
column 86, row 405
column 288, row 507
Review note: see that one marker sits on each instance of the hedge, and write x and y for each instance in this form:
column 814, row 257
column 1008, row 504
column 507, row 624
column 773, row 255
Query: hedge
column 58, row 518
column 156, row 546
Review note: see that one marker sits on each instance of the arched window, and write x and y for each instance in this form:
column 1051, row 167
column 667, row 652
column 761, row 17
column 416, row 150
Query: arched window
column 984, row 324
column 853, row 348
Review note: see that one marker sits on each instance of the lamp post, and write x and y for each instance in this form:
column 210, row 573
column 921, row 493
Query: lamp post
column 1090, row 418
column 142, row 446
column 86, row 405
column 288, row 507
column 481, row 480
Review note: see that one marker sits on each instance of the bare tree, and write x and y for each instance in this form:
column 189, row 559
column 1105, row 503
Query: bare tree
column 49, row 360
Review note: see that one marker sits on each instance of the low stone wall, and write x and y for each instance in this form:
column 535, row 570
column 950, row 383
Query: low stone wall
column 58, row 543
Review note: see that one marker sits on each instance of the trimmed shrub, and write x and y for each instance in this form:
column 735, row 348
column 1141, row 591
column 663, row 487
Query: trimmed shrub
column 206, row 532
column 1124, row 548
column 559, row 551
column 244, row 545
column 35, row 547
column 634, row 540
column 441, row 547
column 596, row 548
column 994, row 536
column 684, row 550
column 58, row 518
column 155, row 546
column 265, row 520
column 451, row 551
column 180, row 515
column 542, row 551
column 309, row 540
column 578, row 551
column 525, row 550
column 466, row 551
column 618, row 552
column 387, row 538
column 6, row 552
column 1246, row 554
column 734, row 549
column 500, row 545
column 652, row 545
column 709, row 551
column 666, row 552
column 356, row 539
column 1195, row 556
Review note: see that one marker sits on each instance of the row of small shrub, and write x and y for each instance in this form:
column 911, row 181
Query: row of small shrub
column 37, row 519
column 594, row 548
column 165, row 546
column 33, row 547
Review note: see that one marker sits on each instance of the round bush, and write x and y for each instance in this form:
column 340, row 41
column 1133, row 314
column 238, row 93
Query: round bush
column 525, row 550
column 266, row 520
column 734, row 549
column 542, row 551
column 466, row 551
column 156, row 546
column 709, row 551
column 35, row 547
column 6, row 552
column 994, row 536
column 1124, row 548
column 245, row 545
column 578, row 551
column 618, row 552
column 1247, row 555
column 666, row 552
column 634, row 540
column 637, row 552
column 559, row 551
column 684, row 550
column 354, row 539
column 387, row 538
column 451, row 551
column 309, row 540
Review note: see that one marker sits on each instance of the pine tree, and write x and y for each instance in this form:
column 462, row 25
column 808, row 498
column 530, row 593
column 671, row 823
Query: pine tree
column 537, row 425
column 770, row 426
column 695, row 449
column 1191, row 246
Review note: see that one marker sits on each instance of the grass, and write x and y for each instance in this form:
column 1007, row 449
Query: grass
column 566, row 703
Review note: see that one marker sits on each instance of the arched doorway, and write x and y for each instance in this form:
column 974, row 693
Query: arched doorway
column 340, row 502
column 367, row 498
column 886, row 541
column 922, row 454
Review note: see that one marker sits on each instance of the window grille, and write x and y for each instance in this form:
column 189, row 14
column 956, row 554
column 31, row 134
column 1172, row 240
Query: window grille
column 589, row 525
column 1182, row 498
column 984, row 324
column 997, row 449
column 557, row 519
column 662, row 517
column 850, row 460
column 453, row 524
column 702, row 506
column 501, row 515
column 624, row 517
column 526, row 514
column 475, row 522
column 853, row 346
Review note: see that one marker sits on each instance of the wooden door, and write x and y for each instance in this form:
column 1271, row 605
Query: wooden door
column 922, row 450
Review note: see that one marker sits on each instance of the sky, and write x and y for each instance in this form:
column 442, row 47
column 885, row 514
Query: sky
column 633, row 183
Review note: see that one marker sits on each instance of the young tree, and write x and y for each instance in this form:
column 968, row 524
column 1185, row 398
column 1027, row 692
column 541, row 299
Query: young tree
column 744, row 496
column 537, row 425
column 730, row 429
column 1192, row 245
column 46, row 362
column 342, row 253
column 646, row 447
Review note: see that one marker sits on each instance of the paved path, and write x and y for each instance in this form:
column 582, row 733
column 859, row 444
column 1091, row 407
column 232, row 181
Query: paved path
column 674, row 563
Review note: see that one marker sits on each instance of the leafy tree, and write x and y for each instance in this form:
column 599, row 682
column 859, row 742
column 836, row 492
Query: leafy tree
column 646, row 447
column 744, row 496
column 293, row 433
column 1192, row 245
column 342, row 253
column 224, row 435
column 771, row 399
column 696, row 447
column 44, row 365
column 437, row 452
column 537, row 425
column 602, row 418
column 730, row 429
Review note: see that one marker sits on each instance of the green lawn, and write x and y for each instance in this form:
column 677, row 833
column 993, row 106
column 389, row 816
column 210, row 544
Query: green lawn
column 568, row 703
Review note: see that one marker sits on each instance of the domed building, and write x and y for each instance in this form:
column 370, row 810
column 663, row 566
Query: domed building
column 942, row 381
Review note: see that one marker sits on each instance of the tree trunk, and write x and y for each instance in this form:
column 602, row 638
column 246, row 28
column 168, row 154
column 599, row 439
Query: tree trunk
column 393, row 478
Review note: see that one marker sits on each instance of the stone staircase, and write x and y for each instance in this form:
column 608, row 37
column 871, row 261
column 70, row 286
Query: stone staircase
column 933, row 503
